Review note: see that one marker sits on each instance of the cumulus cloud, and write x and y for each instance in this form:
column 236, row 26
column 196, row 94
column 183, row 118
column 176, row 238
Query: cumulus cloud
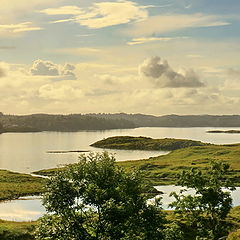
column 163, row 76
column 48, row 68
column 44, row 68
column 102, row 14
column 68, row 71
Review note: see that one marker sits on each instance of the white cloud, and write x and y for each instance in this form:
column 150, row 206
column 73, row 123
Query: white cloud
column 13, row 9
column 18, row 28
column 162, row 75
column 79, row 51
column 102, row 14
column 194, row 56
column 60, row 92
column 68, row 71
column 142, row 40
column 48, row 68
column 64, row 10
column 168, row 23
column 44, row 68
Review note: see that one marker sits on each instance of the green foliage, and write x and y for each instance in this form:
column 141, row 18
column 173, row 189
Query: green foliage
column 95, row 199
column 14, row 185
column 204, row 214
column 145, row 143
column 16, row 231
column 234, row 235
column 165, row 169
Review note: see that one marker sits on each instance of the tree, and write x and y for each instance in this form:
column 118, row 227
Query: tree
column 203, row 215
column 97, row 200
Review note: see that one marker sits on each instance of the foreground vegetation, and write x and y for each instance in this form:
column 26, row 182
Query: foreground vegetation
column 181, row 224
column 113, row 205
column 14, row 185
column 164, row 170
column 17, row 230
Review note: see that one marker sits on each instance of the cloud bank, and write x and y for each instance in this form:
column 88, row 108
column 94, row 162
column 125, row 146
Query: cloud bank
column 163, row 76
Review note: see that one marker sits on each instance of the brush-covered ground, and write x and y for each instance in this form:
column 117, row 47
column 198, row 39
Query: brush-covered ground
column 17, row 230
column 164, row 170
column 25, row 230
column 14, row 185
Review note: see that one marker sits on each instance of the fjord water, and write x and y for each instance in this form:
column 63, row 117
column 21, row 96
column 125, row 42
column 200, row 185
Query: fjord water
column 27, row 152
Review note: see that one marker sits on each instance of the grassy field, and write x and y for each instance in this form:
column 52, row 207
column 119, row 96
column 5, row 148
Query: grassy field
column 14, row 185
column 145, row 143
column 17, row 230
column 164, row 170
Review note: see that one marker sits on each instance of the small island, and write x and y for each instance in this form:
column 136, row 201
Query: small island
column 146, row 143
column 224, row 131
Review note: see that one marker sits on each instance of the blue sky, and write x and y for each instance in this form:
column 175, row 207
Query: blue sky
column 178, row 56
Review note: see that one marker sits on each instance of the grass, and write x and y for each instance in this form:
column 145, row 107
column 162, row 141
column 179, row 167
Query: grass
column 145, row 143
column 17, row 230
column 164, row 170
column 14, row 185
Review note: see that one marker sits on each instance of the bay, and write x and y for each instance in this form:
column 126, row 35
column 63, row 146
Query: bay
column 27, row 152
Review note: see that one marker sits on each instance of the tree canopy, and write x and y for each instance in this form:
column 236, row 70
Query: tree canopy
column 96, row 199
column 203, row 215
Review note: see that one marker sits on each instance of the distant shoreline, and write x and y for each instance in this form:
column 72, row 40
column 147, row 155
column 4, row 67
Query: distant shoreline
column 224, row 131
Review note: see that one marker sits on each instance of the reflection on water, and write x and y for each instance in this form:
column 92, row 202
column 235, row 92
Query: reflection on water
column 30, row 209
column 27, row 152
column 24, row 209
column 166, row 200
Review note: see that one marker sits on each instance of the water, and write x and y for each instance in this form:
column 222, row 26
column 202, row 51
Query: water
column 166, row 199
column 30, row 209
column 23, row 209
column 27, row 152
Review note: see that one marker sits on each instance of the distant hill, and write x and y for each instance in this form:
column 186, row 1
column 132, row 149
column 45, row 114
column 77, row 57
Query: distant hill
column 141, row 120
column 78, row 122
column 73, row 122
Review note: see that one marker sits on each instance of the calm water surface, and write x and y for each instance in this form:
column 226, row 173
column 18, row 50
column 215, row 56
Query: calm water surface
column 27, row 152
column 27, row 209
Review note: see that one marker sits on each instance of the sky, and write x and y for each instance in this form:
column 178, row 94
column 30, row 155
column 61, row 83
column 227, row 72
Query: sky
column 145, row 56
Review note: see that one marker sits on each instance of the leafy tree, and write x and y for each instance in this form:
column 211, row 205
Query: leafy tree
column 97, row 200
column 203, row 215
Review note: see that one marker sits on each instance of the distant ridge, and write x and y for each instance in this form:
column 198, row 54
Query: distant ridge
column 104, row 121
column 141, row 120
